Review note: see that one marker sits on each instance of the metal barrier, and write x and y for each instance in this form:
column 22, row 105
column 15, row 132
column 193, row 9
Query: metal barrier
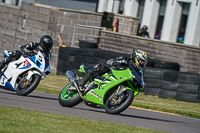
column 86, row 26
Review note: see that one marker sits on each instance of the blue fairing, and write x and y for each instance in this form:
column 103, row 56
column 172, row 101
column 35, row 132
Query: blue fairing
column 4, row 75
column 9, row 85
column 46, row 65
column 33, row 59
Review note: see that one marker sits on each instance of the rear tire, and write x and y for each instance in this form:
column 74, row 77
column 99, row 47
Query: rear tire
column 121, row 105
column 35, row 80
column 69, row 98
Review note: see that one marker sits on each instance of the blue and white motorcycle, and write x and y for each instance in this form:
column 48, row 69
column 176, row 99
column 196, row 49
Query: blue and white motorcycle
column 24, row 74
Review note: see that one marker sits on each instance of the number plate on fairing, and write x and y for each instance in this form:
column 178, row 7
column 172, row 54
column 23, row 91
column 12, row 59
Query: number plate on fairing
column 3, row 81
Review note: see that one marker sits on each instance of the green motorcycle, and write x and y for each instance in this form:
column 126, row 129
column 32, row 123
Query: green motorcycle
column 113, row 91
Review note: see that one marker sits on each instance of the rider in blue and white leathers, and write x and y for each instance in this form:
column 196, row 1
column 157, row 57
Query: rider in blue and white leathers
column 45, row 45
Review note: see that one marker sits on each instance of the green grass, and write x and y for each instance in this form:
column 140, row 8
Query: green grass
column 55, row 83
column 167, row 105
column 16, row 120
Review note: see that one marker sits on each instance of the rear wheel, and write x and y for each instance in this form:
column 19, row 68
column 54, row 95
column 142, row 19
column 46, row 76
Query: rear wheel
column 115, row 105
column 25, row 87
column 69, row 96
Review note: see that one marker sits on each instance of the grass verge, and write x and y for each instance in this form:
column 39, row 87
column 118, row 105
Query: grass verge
column 55, row 83
column 25, row 121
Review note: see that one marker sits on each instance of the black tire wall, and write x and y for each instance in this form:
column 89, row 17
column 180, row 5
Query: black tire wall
column 71, row 58
column 168, row 83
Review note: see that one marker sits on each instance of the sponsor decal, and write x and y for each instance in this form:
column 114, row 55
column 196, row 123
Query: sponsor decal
column 95, row 95
column 26, row 63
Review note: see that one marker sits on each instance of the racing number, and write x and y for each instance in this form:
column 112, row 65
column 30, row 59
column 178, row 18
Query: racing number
column 40, row 58
column 3, row 80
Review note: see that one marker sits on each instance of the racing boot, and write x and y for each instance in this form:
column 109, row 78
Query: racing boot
column 83, row 81
column 3, row 63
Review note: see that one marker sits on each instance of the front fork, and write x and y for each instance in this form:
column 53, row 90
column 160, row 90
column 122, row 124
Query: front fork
column 121, row 89
column 30, row 74
column 27, row 78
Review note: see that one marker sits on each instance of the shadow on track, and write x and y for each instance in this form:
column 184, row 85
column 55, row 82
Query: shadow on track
column 148, row 118
column 8, row 89
column 42, row 97
column 12, row 92
column 93, row 110
column 128, row 115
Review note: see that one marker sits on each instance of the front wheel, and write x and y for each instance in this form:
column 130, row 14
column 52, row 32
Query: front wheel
column 69, row 96
column 25, row 87
column 115, row 105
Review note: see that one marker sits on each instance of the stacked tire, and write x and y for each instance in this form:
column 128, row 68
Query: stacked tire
column 189, row 86
column 153, row 78
column 167, row 82
column 71, row 58
column 185, row 85
column 67, row 60
column 168, row 85
column 154, row 75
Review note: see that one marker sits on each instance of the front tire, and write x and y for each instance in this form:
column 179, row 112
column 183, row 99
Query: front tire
column 25, row 88
column 116, row 106
column 69, row 97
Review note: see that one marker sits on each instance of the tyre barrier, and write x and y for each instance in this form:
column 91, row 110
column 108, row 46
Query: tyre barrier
column 166, row 65
column 167, row 94
column 169, row 86
column 155, row 73
column 87, row 44
column 71, row 58
column 189, row 78
column 197, row 99
column 155, row 83
column 172, row 84
column 163, row 64
column 181, row 96
column 161, row 78
column 151, row 91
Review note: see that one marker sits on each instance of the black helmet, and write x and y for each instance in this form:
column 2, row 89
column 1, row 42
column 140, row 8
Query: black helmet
column 46, row 42
column 139, row 57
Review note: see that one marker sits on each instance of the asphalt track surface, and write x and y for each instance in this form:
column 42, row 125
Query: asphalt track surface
column 44, row 102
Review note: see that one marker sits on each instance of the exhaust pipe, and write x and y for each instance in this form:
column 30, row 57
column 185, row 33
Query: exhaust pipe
column 71, row 77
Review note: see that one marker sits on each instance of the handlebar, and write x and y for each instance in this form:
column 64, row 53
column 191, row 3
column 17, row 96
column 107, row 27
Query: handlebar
column 26, row 51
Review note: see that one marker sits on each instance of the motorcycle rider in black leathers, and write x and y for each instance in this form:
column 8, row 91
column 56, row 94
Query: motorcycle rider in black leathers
column 45, row 45
column 138, row 58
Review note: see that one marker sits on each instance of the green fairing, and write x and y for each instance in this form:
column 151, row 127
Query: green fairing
column 97, row 95
column 82, row 70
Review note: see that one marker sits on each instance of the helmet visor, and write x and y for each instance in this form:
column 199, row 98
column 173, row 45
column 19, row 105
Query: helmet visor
column 142, row 63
